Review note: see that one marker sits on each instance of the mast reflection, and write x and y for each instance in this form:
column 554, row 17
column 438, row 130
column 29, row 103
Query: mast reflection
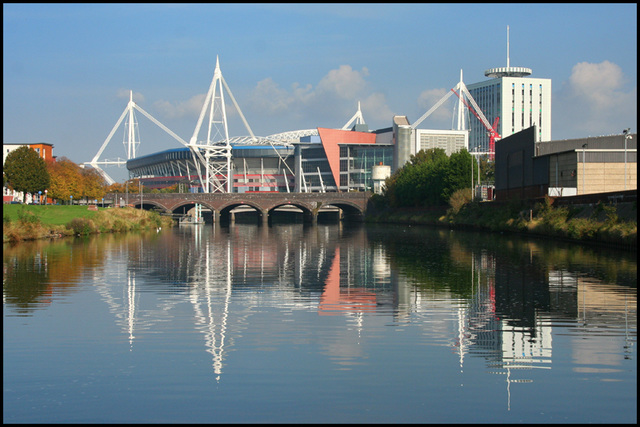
column 502, row 299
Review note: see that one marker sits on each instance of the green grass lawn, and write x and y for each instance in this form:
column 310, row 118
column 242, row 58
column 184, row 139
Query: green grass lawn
column 49, row 214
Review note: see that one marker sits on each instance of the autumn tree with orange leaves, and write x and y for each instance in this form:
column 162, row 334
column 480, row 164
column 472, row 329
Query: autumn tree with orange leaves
column 70, row 181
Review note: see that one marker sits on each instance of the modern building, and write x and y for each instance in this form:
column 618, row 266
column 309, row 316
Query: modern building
column 528, row 168
column 451, row 141
column 511, row 102
column 256, row 168
column 408, row 141
column 333, row 160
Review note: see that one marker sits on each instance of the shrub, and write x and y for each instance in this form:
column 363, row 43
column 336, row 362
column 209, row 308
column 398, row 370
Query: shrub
column 27, row 217
column 458, row 199
column 579, row 228
column 611, row 213
column 81, row 226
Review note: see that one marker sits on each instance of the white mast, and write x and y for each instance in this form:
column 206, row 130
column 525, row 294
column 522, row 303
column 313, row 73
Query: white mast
column 507, row 46
column 507, row 71
column 133, row 140
column 357, row 117
column 461, row 125
column 217, row 157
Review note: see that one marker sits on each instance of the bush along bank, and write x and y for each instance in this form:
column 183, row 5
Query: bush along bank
column 29, row 226
column 602, row 223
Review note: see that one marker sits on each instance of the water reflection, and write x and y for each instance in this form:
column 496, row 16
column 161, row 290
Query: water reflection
column 500, row 299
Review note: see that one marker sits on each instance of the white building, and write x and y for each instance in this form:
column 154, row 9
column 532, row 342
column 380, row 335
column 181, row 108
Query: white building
column 517, row 101
column 451, row 141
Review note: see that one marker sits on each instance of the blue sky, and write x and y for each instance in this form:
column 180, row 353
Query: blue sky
column 68, row 68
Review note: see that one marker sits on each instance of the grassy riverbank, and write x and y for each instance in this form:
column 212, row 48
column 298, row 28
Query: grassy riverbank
column 30, row 222
column 602, row 223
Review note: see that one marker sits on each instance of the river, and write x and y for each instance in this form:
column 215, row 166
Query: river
column 327, row 323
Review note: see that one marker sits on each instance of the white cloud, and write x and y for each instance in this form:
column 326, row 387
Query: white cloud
column 269, row 98
column 375, row 107
column 598, row 84
column 180, row 109
column 429, row 98
column 594, row 101
column 330, row 103
column 344, row 82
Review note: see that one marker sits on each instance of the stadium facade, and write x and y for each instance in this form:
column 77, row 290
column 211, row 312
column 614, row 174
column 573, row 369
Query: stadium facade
column 343, row 159
column 332, row 160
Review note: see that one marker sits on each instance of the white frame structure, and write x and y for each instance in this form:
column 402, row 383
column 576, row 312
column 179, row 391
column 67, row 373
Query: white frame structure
column 212, row 155
column 131, row 142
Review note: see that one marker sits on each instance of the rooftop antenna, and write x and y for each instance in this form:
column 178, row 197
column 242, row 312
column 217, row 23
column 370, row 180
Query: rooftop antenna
column 508, row 71
column 507, row 46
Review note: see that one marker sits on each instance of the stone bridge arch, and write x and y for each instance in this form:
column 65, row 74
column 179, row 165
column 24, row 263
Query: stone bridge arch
column 350, row 210
column 223, row 212
column 151, row 205
column 182, row 208
column 352, row 206
column 308, row 213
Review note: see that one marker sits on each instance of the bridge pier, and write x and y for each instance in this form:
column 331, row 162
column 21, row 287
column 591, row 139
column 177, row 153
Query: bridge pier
column 311, row 216
column 351, row 205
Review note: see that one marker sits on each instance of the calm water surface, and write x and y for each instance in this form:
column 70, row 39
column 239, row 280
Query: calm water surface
column 326, row 323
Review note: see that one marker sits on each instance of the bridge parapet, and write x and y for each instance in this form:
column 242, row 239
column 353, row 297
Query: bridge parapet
column 353, row 203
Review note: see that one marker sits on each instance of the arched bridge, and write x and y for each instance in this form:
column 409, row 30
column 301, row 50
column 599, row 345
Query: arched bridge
column 352, row 205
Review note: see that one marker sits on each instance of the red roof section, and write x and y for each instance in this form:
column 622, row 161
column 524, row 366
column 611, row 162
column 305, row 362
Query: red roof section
column 332, row 137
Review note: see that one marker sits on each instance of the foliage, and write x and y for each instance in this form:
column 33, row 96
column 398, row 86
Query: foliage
column 65, row 180
column 429, row 178
column 459, row 198
column 116, row 187
column 26, row 171
column 81, row 226
column 487, row 169
column 27, row 216
column 93, row 184
column 70, row 180
column 37, row 222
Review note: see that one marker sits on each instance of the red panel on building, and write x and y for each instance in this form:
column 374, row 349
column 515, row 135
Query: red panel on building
column 332, row 137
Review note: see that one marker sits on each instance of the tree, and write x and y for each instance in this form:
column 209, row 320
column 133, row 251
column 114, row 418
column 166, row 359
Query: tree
column 93, row 184
column 116, row 187
column 487, row 169
column 429, row 179
column 66, row 180
column 26, row 171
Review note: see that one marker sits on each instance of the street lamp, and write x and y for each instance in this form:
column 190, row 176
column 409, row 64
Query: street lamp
column 627, row 136
column 583, row 166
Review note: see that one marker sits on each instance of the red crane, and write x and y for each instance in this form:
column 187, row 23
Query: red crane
column 491, row 130
column 493, row 134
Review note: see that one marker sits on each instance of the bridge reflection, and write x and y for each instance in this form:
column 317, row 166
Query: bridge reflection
column 481, row 295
